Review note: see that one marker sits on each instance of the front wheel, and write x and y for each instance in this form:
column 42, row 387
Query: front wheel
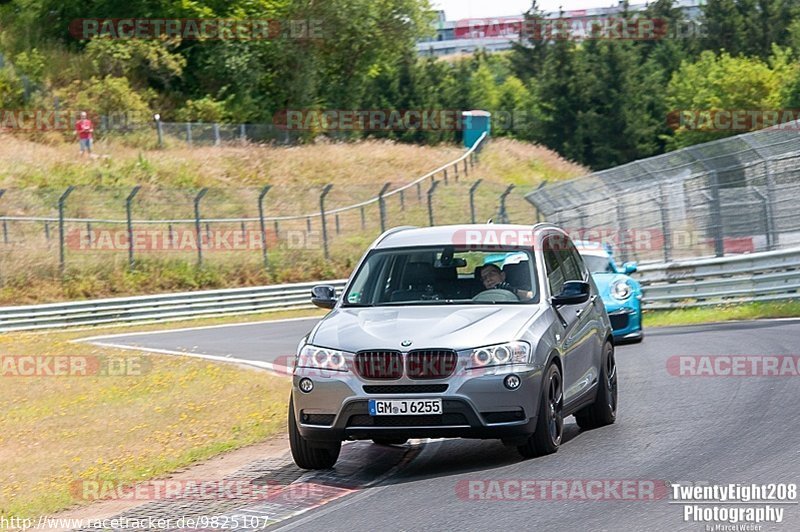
column 604, row 409
column 550, row 421
column 305, row 455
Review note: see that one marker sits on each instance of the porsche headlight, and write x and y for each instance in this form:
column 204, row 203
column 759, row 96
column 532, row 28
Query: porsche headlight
column 321, row 358
column 500, row 355
column 621, row 290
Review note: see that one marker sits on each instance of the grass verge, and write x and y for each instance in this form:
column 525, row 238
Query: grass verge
column 749, row 311
column 160, row 414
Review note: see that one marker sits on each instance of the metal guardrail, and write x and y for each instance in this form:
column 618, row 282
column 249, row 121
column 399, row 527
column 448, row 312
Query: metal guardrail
column 170, row 307
column 769, row 276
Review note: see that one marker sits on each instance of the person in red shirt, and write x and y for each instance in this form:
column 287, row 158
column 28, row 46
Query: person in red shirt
column 84, row 129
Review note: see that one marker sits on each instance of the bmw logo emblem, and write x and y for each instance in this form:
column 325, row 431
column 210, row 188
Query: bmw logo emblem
column 405, row 343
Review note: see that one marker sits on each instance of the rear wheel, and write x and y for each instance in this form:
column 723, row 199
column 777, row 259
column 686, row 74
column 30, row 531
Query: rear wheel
column 306, row 455
column 604, row 409
column 550, row 421
column 389, row 441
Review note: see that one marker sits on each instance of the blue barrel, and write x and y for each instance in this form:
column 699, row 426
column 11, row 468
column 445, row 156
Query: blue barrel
column 476, row 123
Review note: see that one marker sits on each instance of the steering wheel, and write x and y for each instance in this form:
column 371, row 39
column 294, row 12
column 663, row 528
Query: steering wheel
column 496, row 294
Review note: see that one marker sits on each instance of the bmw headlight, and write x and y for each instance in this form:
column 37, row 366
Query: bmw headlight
column 314, row 357
column 621, row 290
column 500, row 355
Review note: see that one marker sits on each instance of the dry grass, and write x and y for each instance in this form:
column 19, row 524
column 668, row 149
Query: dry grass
column 58, row 430
column 29, row 270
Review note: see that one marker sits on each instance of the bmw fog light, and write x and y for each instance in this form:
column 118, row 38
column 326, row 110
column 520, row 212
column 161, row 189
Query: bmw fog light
column 512, row 382
column 306, row 385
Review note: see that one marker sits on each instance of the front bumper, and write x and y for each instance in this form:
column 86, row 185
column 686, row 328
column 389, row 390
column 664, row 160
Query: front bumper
column 474, row 406
column 626, row 320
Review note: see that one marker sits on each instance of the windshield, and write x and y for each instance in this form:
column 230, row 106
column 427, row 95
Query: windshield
column 598, row 264
column 444, row 275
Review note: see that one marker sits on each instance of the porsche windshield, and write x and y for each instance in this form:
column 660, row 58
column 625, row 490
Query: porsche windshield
column 444, row 275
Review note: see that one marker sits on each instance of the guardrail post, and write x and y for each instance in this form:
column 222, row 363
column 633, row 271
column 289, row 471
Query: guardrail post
column 430, row 201
column 47, row 232
column 419, row 192
column 128, row 214
column 445, row 176
column 262, row 225
column 363, row 218
column 466, row 167
column 198, row 226
column 336, row 219
column 382, row 205
column 665, row 228
column 455, row 170
column 308, row 225
column 402, row 200
column 716, row 215
column 277, row 230
column 170, row 235
column 89, row 238
column 61, row 202
column 325, row 190
column 472, row 190
column 502, row 212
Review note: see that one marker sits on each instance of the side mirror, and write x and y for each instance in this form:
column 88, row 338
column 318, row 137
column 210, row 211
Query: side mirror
column 573, row 293
column 323, row 296
column 630, row 267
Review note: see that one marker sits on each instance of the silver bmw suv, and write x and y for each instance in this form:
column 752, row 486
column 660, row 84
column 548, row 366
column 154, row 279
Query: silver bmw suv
column 471, row 331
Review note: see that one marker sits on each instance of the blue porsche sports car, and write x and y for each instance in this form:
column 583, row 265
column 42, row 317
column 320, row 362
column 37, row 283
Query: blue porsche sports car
column 622, row 295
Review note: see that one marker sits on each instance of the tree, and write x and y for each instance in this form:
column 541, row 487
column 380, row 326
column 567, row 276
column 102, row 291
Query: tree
column 527, row 56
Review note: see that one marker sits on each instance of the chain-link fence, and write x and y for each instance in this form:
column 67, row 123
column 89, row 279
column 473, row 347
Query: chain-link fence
column 734, row 195
column 45, row 231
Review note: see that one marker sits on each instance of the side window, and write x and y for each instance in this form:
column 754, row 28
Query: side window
column 572, row 269
column 555, row 275
column 582, row 270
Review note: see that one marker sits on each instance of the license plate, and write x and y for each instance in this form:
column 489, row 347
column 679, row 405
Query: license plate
column 404, row 407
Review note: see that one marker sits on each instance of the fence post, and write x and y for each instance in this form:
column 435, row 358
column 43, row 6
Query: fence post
column 466, row 167
column 308, row 225
column 128, row 209
column 277, row 230
column 771, row 230
column 419, row 192
column 363, row 219
column 472, row 190
column 189, row 133
column 502, row 213
column 159, row 130
column 61, row 201
column 716, row 215
column 243, row 133
column 455, row 170
column 5, row 227
column 382, row 205
column 217, row 140
column 325, row 190
column 47, row 232
column 262, row 225
column 445, row 176
column 402, row 200
column 198, row 226
column 766, row 217
column 665, row 228
column 336, row 218
column 430, row 201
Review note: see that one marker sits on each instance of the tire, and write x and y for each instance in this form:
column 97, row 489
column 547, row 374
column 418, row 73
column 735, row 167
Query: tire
column 389, row 441
column 550, row 420
column 604, row 409
column 304, row 454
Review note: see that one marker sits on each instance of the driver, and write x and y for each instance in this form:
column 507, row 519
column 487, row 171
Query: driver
column 494, row 278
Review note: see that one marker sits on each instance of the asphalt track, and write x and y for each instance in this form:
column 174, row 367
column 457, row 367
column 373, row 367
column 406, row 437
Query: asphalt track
column 704, row 430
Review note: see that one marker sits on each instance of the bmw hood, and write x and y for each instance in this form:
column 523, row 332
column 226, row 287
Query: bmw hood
column 451, row 327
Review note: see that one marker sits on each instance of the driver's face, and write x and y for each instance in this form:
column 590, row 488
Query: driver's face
column 492, row 277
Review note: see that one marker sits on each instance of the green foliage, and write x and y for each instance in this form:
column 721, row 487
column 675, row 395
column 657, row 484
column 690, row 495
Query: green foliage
column 720, row 83
column 203, row 110
column 109, row 96
column 143, row 62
